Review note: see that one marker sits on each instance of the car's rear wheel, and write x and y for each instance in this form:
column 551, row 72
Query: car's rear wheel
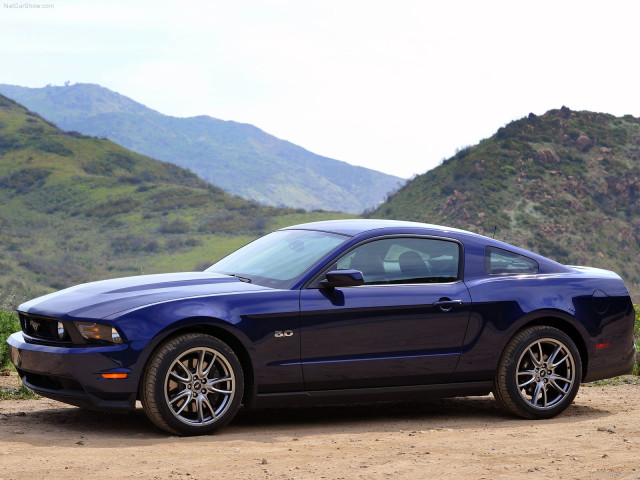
column 193, row 385
column 539, row 373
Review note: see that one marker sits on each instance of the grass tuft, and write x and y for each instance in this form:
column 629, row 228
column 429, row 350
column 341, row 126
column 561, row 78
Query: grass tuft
column 18, row 393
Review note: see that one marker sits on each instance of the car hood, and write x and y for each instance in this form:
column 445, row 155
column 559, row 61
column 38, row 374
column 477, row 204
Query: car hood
column 107, row 297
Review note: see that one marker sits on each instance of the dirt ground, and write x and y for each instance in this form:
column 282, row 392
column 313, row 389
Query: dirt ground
column 597, row 437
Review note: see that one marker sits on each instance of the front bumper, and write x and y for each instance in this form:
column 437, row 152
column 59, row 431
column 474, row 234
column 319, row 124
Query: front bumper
column 74, row 375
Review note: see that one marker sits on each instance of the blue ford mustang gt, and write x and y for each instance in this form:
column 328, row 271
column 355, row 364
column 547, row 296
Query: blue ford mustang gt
column 336, row 311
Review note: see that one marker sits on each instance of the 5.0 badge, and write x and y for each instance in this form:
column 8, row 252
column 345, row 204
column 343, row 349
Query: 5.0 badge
column 285, row 333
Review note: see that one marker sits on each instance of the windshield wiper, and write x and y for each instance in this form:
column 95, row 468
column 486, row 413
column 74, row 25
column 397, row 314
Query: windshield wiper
column 242, row 279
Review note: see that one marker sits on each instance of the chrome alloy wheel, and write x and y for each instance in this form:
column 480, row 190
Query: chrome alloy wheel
column 545, row 373
column 199, row 386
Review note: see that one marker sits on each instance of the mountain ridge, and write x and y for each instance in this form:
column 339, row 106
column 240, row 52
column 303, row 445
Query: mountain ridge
column 237, row 157
column 564, row 184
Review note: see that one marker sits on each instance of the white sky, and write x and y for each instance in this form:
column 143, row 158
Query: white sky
column 396, row 85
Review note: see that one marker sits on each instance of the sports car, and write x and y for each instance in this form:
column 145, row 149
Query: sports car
column 331, row 312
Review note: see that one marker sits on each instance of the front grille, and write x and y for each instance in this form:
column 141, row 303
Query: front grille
column 43, row 328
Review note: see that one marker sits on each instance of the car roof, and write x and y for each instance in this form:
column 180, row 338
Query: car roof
column 357, row 226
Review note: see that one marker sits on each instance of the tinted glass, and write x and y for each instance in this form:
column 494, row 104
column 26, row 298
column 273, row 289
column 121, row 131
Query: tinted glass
column 279, row 258
column 404, row 260
column 498, row 261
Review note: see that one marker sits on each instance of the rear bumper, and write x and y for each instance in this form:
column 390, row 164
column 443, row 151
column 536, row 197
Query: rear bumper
column 74, row 375
column 612, row 369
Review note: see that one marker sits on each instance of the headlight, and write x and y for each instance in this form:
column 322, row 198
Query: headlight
column 99, row 332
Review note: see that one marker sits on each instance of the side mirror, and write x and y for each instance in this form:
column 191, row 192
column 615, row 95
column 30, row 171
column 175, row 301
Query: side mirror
column 342, row 278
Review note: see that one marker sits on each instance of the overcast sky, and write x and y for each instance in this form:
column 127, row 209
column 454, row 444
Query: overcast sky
column 396, row 85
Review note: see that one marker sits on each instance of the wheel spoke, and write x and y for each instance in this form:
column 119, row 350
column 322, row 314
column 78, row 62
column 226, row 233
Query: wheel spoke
column 205, row 373
column 530, row 373
column 536, row 394
column 556, row 377
column 553, row 379
column 184, row 405
column 215, row 381
column 199, row 407
column 533, row 358
column 184, row 394
column 175, row 374
column 200, row 363
column 552, row 357
column 559, row 362
column 179, row 378
column 202, row 402
column 179, row 396
column 205, row 401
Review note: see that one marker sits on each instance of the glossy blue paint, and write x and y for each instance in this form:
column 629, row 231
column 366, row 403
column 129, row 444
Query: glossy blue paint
column 381, row 335
column 357, row 339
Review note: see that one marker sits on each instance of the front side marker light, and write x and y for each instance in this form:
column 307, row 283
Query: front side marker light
column 114, row 376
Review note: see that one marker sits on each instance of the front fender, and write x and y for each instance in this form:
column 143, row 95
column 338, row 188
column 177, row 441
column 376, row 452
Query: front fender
column 247, row 323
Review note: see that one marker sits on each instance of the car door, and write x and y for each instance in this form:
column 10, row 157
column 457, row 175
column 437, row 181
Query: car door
column 404, row 326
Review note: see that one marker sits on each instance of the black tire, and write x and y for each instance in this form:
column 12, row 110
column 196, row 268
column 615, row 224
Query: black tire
column 193, row 385
column 539, row 373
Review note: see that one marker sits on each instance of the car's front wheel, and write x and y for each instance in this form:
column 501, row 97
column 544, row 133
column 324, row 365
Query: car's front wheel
column 539, row 373
column 193, row 385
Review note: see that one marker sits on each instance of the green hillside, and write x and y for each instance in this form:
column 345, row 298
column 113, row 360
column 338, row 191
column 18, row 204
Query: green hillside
column 74, row 209
column 239, row 158
column 565, row 184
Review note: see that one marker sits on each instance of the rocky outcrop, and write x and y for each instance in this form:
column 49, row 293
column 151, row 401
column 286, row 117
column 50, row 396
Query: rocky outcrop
column 583, row 143
column 547, row 157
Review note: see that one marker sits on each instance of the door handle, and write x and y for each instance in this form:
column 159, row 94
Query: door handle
column 446, row 304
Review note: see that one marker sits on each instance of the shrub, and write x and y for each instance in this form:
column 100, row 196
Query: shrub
column 26, row 179
column 636, row 330
column 113, row 207
column 636, row 336
column 174, row 244
column 8, row 324
column 9, row 142
column 121, row 160
column 49, row 145
column 175, row 226
column 176, row 199
column 32, row 128
column 192, row 242
column 107, row 164
column 134, row 244
column 74, row 134
column 58, row 273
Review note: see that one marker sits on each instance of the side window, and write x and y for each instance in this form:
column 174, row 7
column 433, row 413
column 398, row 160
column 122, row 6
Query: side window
column 368, row 259
column 498, row 261
column 404, row 260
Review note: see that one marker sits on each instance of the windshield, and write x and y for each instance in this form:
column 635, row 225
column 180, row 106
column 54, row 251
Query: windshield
column 277, row 259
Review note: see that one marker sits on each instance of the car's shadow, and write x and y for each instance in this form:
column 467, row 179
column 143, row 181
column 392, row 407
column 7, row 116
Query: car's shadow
column 267, row 424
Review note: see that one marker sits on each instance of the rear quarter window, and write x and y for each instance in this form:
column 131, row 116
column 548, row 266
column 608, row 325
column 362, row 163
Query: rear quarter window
column 499, row 262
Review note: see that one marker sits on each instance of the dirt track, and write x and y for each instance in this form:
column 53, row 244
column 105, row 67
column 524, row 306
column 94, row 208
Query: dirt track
column 597, row 437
